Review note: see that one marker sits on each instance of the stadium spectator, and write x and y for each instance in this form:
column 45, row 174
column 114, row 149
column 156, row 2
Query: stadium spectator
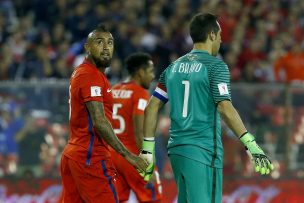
column 30, row 139
column 59, row 70
column 38, row 64
column 7, row 66
column 290, row 67
column 11, row 123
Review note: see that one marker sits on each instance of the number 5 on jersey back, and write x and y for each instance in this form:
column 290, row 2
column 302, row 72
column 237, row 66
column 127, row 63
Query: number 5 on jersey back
column 116, row 116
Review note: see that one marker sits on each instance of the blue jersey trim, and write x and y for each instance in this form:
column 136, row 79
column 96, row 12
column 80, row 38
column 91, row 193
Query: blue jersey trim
column 104, row 168
column 160, row 97
column 88, row 161
column 151, row 187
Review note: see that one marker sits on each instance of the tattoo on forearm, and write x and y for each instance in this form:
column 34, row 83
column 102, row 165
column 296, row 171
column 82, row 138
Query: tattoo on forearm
column 104, row 128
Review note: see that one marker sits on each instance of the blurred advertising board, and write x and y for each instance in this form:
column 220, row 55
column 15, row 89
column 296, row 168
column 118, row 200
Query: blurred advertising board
column 234, row 191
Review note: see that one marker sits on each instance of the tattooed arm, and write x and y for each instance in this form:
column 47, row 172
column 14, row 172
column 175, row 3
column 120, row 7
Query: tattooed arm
column 104, row 128
column 105, row 131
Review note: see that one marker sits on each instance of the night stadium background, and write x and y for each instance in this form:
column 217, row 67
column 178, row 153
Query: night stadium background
column 41, row 41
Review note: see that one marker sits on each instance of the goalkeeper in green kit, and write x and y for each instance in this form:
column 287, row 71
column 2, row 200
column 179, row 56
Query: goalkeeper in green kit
column 198, row 88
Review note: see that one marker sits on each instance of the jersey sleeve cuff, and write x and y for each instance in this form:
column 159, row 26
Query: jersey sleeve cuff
column 222, row 99
column 98, row 99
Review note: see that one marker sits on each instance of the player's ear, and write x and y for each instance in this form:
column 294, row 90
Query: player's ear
column 86, row 48
column 141, row 72
column 212, row 35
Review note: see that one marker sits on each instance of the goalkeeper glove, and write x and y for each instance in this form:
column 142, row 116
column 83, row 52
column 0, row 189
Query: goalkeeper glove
column 147, row 153
column 260, row 161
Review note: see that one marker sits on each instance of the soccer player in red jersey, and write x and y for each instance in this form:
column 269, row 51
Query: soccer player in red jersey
column 87, row 171
column 130, row 99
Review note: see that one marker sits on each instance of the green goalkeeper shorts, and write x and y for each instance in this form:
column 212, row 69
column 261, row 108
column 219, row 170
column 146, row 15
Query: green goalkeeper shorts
column 196, row 182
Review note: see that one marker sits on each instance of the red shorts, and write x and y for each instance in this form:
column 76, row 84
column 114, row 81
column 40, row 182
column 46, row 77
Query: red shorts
column 93, row 183
column 128, row 179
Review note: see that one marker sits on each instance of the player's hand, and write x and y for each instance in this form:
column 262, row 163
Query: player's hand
column 138, row 162
column 155, row 177
column 261, row 162
column 147, row 174
column 147, row 153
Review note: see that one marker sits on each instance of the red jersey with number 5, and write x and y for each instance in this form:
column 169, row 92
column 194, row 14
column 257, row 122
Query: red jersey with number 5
column 129, row 99
column 87, row 84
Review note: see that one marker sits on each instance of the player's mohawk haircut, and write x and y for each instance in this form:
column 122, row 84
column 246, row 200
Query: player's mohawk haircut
column 101, row 28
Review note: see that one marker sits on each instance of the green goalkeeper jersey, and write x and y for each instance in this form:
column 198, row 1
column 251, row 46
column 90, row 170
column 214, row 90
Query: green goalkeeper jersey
column 194, row 84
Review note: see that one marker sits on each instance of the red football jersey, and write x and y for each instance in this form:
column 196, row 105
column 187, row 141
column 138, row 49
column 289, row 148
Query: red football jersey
column 129, row 99
column 87, row 84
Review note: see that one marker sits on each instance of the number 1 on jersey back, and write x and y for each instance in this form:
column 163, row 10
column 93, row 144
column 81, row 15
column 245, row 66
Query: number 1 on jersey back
column 186, row 97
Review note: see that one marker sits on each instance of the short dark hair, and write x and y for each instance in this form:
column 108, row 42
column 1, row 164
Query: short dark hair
column 101, row 28
column 136, row 61
column 201, row 25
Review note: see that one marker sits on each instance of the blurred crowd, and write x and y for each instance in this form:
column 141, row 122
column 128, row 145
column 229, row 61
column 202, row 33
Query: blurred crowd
column 34, row 129
column 262, row 40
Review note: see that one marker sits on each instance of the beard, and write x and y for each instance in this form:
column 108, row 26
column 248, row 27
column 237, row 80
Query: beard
column 102, row 63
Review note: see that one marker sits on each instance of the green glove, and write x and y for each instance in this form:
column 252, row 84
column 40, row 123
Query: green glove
column 148, row 154
column 261, row 162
